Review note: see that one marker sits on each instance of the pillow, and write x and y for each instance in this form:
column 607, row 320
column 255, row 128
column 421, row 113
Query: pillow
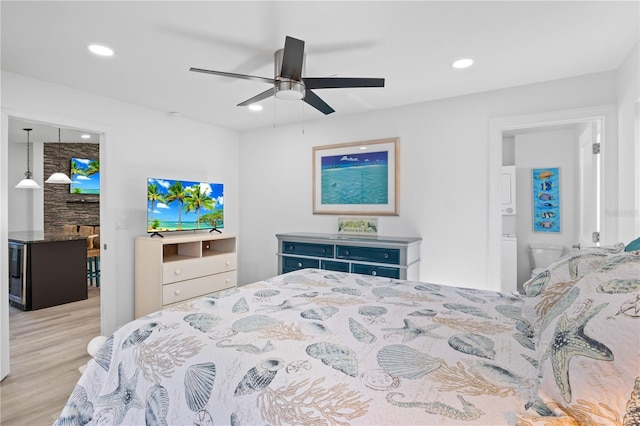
column 633, row 245
column 589, row 344
column 545, row 289
column 571, row 267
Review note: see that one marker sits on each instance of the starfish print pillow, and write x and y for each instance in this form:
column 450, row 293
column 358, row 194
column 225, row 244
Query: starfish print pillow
column 543, row 291
column 589, row 345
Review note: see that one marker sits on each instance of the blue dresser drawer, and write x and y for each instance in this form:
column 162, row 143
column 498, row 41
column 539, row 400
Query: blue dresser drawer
column 294, row 263
column 369, row 254
column 307, row 249
column 330, row 265
column 380, row 271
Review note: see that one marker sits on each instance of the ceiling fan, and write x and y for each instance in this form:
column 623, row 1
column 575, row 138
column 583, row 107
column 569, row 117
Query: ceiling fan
column 289, row 83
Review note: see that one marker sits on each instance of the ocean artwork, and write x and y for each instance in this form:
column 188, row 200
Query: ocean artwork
column 179, row 205
column 546, row 199
column 359, row 178
column 85, row 176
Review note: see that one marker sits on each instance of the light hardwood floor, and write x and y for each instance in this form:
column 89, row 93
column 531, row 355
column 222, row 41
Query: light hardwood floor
column 47, row 348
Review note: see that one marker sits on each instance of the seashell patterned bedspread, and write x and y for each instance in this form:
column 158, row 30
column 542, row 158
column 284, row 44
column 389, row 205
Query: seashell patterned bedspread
column 317, row 348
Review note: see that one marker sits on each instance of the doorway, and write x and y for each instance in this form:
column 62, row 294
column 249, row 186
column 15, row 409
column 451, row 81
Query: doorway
column 605, row 115
column 6, row 181
column 565, row 214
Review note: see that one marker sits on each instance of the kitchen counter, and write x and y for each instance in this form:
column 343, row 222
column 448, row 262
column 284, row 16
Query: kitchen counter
column 47, row 269
column 42, row 237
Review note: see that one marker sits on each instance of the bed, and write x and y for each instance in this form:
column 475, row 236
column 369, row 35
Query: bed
column 317, row 347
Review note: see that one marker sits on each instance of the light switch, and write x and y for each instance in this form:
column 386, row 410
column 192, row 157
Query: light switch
column 122, row 223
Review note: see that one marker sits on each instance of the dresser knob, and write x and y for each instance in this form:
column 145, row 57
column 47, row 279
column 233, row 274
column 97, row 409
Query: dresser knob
column 386, row 255
column 227, row 263
column 177, row 292
column 346, row 252
column 177, row 272
column 374, row 273
column 228, row 280
column 290, row 247
column 299, row 264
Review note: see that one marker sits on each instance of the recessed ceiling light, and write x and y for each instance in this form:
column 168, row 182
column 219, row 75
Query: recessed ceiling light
column 462, row 63
column 101, row 50
column 255, row 107
column 85, row 136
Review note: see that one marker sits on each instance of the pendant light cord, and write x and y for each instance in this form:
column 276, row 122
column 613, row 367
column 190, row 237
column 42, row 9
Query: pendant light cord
column 28, row 174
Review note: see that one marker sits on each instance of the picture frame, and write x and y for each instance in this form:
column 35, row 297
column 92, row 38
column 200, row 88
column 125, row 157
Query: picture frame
column 354, row 225
column 546, row 199
column 85, row 176
column 357, row 178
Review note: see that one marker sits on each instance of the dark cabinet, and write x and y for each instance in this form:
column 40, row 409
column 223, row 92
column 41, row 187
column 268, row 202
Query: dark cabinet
column 54, row 273
column 392, row 257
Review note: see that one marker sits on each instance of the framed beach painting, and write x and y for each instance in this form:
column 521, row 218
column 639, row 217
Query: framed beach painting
column 357, row 178
column 85, row 176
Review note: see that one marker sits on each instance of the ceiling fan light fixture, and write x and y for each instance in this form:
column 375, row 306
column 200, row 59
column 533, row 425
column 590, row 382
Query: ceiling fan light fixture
column 289, row 90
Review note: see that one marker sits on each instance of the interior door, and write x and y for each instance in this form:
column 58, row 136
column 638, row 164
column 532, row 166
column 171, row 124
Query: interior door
column 588, row 209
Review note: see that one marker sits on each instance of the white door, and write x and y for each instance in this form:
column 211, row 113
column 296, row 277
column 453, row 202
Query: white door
column 588, row 209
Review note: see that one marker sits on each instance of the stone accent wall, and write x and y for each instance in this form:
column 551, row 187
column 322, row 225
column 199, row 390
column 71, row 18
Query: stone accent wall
column 61, row 207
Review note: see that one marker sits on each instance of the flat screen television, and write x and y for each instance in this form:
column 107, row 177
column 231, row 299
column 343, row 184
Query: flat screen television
column 85, row 176
column 182, row 205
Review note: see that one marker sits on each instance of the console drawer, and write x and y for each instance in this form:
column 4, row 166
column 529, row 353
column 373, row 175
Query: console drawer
column 307, row 249
column 330, row 265
column 177, row 292
column 193, row 268
column 369, row 254
column 380, row 271
column 293, row 263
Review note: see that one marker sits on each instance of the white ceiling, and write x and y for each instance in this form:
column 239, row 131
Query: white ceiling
column 410, row 44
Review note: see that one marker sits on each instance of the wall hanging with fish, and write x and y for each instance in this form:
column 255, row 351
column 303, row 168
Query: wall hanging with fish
column 546, row 199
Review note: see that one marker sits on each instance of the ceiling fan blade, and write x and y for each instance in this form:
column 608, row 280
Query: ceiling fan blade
column 315, row 101
column 259, row 97
column 292, row 58
column 230, row 74
column 340, row 82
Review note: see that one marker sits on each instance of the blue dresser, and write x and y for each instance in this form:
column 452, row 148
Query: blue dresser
column 392, row 257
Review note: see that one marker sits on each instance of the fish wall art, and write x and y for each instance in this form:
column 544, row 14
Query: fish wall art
column 546, row 199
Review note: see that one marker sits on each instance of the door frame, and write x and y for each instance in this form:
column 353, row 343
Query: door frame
column 108, row 294
column 609, row 149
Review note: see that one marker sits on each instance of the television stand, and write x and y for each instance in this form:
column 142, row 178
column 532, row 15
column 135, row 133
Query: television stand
column 158, row 234
column 215, row 229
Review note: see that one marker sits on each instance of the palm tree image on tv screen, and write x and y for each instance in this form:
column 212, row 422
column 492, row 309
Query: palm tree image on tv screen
column 179, row 205
column 85, row 176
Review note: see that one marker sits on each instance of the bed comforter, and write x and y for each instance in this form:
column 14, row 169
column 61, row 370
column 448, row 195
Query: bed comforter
column 317, row 347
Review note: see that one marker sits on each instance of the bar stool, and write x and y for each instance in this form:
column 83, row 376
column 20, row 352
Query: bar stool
column 93, row 266
column 93, row 253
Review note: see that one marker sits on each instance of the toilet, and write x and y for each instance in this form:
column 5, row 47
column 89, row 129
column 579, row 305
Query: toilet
column 543, row 255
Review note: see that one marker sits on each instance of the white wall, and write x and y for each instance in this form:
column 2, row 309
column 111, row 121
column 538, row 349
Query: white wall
column 136, row 143
column 628, row 212
column 26, row 211
column 555, row 148
column 444, row 174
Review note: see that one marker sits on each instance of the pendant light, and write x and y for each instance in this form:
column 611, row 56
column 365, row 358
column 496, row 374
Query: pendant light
column 27, row 182
column 58, row 177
